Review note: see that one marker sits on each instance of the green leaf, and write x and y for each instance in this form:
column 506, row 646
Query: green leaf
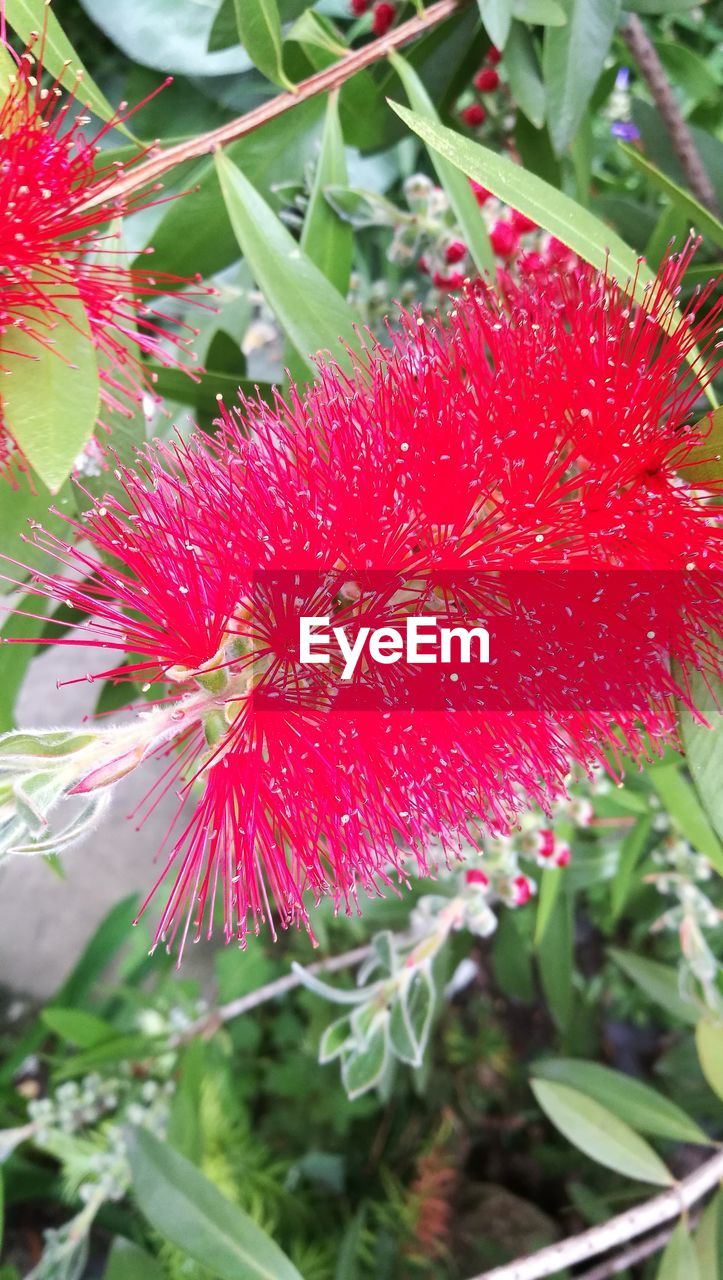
column 709, row 1241
column 77, row 1026
column 59, row 56
column 698, row 217
column 637, row 1104
column 458, row 190
column 314, row 316
column 51, row 396
column 631, row 851
column 681, row 802
column 17, row 657
column 679, row 1261
column 326, row 239
column 660, row 982
column 704, row 747
column 127, row 1262
column 599, row 1133
column 555, row 960
column 187, row 1209
column 204, row 391
column 661, row 6
column 550, row 883
column 523, row 72
column 555, row 212
column 511, row 960
column 709, row 1043
column 497, row 18
column 363, row 1069
column 703, row 463
column 544, row 13
column 259, row 28
column 169, row 35
column 573, row 58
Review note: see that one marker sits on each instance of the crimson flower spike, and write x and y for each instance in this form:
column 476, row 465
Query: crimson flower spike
column 518, row 470
column 54, row 246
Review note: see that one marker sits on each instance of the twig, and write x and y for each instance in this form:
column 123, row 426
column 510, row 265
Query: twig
column 628, row 1257
column 618, row 1231
column 643, row 50
column 322, row 82
column 210, row 1022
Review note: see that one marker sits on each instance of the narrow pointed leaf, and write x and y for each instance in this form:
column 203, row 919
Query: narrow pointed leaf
column 637, row 1104
column 259, row 28
column 698, row 217
column 704, row 747
column 59, row 56
column 186, row 1208
column 458, row 190
column 681, row 802
column 679, row 1261
column 311, row 311
column 660, row 982
column 51, row 396
column 497, row 17
column 327, row 239
column 573, row 58
column 599, row 1133
column 709, row 1043
column 708, row 1242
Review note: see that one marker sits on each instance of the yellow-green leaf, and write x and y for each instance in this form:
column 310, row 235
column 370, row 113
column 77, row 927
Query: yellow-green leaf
column 311, row 311
column 460, row 194
column 259, row 29
column 704, row 464
column 679, row 1261
column 59, row 56
column 51, row 395
column 709, row 1043
column 599, row 1133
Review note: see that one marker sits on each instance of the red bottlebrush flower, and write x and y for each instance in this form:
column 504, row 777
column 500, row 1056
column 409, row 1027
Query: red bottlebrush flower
column 504, row 239
column 537, row 438
column 359, row 7
column 55, row 242
column 448, row 283
column 473, row 115
column 486, row 80
column 521, row 222
column 383, row 16
column 493, row 56
column 455, row 252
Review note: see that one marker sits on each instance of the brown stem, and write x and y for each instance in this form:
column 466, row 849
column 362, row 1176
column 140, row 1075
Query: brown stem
column 272, row 990
column 322, row 82
column 651, row 68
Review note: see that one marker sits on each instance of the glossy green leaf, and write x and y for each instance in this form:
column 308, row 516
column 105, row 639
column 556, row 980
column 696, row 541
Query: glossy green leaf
column 573, row 58
column 312, row 313
column 186, row 1208
column 637, row 1104
column 703, row 463
column 631, row 851
column 698, row 217
column 709, row 1043
column 599, row 1133
column 127, row 1262
column 660, row 982
column 326, row 239
column 203, row 392
column 59, row 56
column 51, row 396
column 679, row 1261
column 259, row 28
column 708, row 1240
column 681, row 802
column 704, row 747
column 497, row 18
column 523, row 72
column 458, row 190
